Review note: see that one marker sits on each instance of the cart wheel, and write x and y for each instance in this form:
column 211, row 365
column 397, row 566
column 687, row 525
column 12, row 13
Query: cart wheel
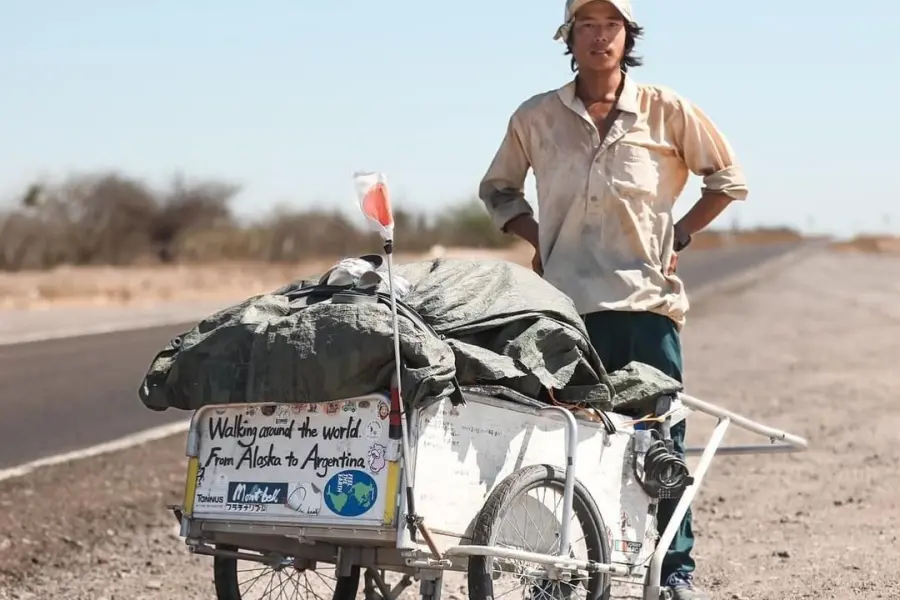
column 535, row 525
column 249, row 580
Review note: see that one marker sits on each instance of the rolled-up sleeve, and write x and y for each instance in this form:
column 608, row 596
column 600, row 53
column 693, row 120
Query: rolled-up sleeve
column 502, row 188
column 707, row 153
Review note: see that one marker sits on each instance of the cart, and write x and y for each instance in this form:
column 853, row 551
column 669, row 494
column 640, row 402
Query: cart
column 316, row 499
column 557, row 501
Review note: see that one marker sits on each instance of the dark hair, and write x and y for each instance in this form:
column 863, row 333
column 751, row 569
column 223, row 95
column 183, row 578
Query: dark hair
column 633, row 32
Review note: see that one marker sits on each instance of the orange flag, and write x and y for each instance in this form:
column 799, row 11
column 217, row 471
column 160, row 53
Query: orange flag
column 375, row 202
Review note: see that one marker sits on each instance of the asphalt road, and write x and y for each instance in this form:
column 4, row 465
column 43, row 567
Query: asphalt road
column 65, row 394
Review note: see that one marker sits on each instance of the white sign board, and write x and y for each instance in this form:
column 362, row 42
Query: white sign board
column 296, row 463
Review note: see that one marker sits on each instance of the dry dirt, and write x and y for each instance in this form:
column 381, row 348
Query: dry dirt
column 148, row 284
column 813, row 351
column 870, row 244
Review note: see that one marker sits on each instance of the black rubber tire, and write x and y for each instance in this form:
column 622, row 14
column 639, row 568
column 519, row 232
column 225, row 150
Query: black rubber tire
column 225, row 577
column 481, row 586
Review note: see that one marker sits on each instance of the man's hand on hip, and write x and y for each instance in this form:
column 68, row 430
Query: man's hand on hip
column 673, row 264
column 536, row 264
column 526, row 228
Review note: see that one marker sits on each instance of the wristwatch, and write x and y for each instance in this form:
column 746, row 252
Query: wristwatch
column 682, row 240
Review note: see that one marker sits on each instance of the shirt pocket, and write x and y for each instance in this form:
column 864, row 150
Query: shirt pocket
column 635, row 172
column 635, row 180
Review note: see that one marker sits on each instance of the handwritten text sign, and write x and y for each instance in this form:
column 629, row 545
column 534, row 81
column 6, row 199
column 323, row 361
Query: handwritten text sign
column 297, row 462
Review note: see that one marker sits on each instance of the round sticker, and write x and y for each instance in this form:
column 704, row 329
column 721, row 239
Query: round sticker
column 383, row 410
column 350, row 493
column 373, row 430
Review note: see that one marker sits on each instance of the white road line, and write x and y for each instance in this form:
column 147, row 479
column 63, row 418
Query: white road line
column 136, row 324
column 123, row 443
column 164, row 431
column 58, row 334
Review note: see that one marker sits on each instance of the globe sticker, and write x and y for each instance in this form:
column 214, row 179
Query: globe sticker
column 350, row 493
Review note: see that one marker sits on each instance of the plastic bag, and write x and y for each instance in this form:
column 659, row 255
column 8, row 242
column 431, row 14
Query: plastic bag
column 375, row 202
column 348, row 270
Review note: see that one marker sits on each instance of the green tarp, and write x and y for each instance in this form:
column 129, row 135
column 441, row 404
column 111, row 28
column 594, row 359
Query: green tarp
column 461, row 322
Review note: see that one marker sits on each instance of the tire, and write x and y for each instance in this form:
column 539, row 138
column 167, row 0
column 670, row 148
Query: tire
column 488, row 523
column 225, row 575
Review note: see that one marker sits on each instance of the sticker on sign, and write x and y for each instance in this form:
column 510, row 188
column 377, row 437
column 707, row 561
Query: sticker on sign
column 304, row 463
column 257, row 492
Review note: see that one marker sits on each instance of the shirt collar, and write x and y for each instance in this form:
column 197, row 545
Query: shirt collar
column 628, row 99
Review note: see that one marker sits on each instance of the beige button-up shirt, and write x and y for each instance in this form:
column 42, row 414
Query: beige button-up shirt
column 605, row 206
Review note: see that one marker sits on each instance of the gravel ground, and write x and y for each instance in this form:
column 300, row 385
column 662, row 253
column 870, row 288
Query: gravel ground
column 808, row 351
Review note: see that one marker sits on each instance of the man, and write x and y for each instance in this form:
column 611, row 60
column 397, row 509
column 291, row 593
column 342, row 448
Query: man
column 610, row 157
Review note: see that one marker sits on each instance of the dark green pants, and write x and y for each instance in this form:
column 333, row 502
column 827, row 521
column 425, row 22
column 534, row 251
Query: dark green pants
column 619, row 338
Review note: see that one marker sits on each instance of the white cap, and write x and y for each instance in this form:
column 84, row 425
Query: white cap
column 573, row 6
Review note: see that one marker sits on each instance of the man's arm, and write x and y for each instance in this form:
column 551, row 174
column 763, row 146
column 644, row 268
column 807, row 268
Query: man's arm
column 707, row 154
column 525, row 227
column 502, row 188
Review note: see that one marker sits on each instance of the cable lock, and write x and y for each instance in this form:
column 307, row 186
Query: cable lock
column 663, row 475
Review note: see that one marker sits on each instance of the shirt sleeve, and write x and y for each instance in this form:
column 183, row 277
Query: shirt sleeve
column 502, row 188
column 706, row 152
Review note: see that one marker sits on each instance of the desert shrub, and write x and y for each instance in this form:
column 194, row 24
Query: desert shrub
column 114, row 219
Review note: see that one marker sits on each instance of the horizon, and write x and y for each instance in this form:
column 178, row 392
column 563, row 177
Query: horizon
column 288, row 108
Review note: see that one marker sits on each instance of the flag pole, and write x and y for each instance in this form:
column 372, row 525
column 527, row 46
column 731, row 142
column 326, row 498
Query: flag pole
column 376, row 206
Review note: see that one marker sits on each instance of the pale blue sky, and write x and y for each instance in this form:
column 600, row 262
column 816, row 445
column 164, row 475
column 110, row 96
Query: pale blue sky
column 289, row 97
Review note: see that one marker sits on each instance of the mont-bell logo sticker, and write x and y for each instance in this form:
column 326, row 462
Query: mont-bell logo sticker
column 255, row 492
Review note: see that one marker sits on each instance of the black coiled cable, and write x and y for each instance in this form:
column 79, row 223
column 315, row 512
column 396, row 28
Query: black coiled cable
column 665, row 475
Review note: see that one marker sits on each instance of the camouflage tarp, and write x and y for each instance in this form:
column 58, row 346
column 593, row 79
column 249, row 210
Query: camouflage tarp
column 461, row 322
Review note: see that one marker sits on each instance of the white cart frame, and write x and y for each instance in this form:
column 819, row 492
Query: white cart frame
column 391, row 547
column 779, row 442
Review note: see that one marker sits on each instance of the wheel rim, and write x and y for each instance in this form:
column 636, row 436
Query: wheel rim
column 532, row 524
column 256, row 581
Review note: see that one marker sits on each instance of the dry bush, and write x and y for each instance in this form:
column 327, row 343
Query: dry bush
column 108, row 219
column 113, row 219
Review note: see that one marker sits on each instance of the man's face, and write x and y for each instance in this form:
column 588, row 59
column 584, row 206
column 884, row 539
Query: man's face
column 598, row 37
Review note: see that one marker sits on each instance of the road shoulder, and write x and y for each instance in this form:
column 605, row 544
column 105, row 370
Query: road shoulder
column 797, row 351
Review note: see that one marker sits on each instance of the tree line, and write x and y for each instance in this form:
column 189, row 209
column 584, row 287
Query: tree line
column 113, row 219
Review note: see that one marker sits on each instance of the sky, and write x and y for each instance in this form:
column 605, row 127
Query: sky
column 288, row 98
